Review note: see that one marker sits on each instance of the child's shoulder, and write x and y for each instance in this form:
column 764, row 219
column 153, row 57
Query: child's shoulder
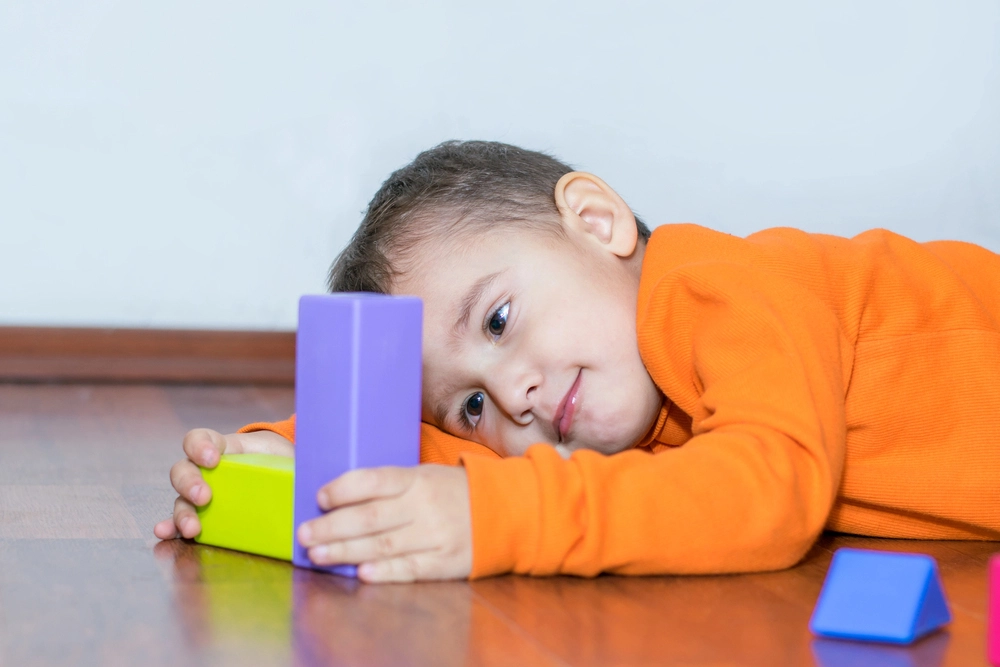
column 675, row 245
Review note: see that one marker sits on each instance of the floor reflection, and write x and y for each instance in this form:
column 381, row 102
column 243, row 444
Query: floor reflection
column 340, row 620
column 928, row 652
column 235, row 606
column 657, row 620
column 231, row 603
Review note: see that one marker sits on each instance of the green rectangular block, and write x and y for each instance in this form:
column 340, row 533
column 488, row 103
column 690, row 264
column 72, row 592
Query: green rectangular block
column 252, row 504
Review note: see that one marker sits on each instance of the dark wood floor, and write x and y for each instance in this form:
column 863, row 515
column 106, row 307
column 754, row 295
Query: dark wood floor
column 83, row 478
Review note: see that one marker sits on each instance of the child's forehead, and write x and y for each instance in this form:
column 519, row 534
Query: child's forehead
column 450, row 274
column 468, row 250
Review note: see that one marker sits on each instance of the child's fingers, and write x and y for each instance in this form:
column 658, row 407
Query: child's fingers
column 381, row 546
column 186, row 519
column 355, row 521
column 365, row 484
column 259, row 442
column 419, row 566
column 186, row 479
column 204, row 446
column 166, row 529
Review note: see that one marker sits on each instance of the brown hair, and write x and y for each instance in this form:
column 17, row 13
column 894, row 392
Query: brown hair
column 452, row 188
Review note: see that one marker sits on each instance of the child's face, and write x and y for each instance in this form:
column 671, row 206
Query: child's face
column 532, row 339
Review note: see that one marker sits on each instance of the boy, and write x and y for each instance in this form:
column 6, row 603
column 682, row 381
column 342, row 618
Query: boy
column 706, row 403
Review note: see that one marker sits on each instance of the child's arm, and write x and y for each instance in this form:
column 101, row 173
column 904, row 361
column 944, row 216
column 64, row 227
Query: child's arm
column 761, row 365
column 436, row 446
column 203, row 447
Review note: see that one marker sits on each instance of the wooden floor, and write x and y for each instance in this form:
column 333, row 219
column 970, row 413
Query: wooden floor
column 83, row 478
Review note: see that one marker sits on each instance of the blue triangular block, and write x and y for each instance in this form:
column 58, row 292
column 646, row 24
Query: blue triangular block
column 934, row 610
column 880, row 596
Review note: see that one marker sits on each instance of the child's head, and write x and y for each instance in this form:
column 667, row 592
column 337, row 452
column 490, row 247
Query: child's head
column 529, row 274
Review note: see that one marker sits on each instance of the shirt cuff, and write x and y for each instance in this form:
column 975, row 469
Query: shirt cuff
column 505, row 509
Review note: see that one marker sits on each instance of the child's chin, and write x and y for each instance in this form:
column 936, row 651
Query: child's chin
column 603, row 448
column 618, row 448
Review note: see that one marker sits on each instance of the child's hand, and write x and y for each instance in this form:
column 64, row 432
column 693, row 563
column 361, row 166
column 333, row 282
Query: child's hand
column 204, row 447
column 397, row 524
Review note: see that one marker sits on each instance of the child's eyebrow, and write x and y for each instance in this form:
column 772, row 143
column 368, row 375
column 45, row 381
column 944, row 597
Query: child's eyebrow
column 471, row 298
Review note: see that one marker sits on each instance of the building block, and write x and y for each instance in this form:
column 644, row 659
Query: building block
column 251, row 506
column 880, row 596
column 993, row 622
column 357, row 398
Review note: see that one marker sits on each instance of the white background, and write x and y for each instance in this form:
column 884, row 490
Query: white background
column 199, row 164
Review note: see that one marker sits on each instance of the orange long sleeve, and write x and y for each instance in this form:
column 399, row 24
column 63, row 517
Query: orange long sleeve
column 813, row 382
column 286, row 428
column 436, row 446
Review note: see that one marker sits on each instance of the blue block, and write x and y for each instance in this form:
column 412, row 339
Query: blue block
column 880, row 596
column 357, row 393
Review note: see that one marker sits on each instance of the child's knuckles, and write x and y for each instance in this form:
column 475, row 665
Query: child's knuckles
column 190, row 438
column 197, row 438
column 410, row 567
column 224, row 444
column 187, row 524
column 183, row 508
column 373, row 479
column 360, row 483
column 370, row 517
column 237, row 443
column 184, row 475
column 178, row 468
column 385, row 545
column 403, row 569
column 391, row 480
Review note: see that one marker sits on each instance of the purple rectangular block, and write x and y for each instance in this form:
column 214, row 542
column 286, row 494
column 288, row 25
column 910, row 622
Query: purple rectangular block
column 357, row 393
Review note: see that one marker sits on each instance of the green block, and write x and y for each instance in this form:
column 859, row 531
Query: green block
column 251, row 506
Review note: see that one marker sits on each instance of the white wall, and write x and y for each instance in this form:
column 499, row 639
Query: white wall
column 198, row 164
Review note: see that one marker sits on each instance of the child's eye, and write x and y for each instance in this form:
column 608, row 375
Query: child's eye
column 471, row 410
column 498, row 320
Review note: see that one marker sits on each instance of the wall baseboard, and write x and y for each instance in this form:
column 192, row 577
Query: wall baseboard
column 56, row 354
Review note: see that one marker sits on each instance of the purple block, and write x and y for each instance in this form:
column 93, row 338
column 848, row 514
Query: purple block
column 357, row 393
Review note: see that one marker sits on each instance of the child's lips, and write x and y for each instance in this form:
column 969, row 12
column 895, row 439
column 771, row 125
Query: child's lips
column 563, row 419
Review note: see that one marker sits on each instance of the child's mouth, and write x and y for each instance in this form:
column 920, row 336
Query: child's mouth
column 564, row 413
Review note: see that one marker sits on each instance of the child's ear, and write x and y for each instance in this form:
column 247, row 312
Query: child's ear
column 589, row 206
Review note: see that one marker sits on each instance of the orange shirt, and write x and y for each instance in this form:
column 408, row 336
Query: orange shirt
column 810, row 382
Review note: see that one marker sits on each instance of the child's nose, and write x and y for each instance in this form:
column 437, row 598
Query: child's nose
column 517, row 393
